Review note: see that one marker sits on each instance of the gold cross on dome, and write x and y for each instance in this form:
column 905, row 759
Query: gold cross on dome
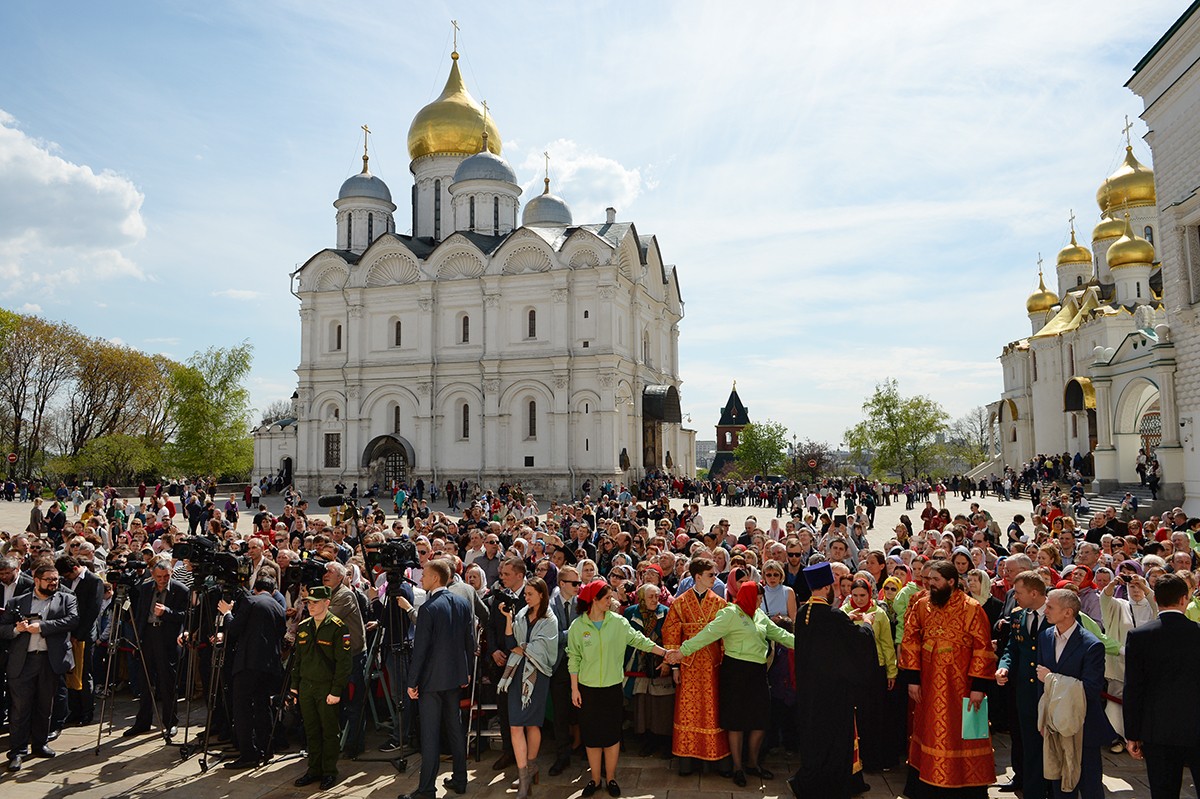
column 546, row 153
column 1072, row 218
column 1039, row 263
column 1128, row 127
column 366, row 156
column 454, row 24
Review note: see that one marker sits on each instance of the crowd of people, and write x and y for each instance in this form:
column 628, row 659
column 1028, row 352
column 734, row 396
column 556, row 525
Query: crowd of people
column 638, row 622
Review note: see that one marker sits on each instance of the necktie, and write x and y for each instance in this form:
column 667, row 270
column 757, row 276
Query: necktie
column 1033, row 623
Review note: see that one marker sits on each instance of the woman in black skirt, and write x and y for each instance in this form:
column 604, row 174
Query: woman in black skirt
column 744, row 695
column 596, row 662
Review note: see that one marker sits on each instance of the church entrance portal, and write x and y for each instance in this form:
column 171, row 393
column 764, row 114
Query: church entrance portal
column 387, row 460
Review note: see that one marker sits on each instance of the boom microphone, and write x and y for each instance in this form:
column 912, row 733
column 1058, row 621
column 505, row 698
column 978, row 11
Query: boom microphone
column 331, row 501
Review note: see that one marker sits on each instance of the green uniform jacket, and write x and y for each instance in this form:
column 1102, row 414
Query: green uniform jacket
column 323, row 654
column 742, row 637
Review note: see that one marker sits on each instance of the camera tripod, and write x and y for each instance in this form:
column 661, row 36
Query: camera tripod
column 122, row 612
column 216, row 668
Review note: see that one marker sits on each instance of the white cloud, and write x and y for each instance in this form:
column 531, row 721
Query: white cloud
column 61, row 221
column 31, row 308
column 588, row 181
column 237, row 294
column 163, row 340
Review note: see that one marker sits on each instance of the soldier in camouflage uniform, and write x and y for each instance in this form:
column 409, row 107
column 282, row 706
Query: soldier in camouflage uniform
column 319, row 676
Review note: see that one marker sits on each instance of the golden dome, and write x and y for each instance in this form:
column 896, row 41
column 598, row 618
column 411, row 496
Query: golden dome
column 1074, row 253
column 1131, row 185
column 453, row 123
column 1041, row 300
column 1108, row 228
column 1130, row 250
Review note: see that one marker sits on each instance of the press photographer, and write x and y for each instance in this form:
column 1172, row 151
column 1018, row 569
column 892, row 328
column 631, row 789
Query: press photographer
column 254, row 629
column 160, row 604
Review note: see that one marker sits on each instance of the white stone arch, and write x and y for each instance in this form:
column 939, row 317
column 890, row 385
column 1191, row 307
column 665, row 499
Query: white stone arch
column 378, row 403
column 450, row 403
column 459, row 262
column 332, row 278
column 527, row 258
column 392, row 268
column 586, row 446
column 1136, row 396
column 514, row 404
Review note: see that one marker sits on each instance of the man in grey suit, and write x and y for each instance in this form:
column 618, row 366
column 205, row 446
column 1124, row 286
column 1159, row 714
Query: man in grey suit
column 38, row 624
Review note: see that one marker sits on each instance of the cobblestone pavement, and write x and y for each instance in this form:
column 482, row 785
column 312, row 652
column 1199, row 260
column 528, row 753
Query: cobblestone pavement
column 145, row 767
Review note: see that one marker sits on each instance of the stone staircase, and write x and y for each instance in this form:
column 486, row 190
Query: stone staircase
column 1112, row 499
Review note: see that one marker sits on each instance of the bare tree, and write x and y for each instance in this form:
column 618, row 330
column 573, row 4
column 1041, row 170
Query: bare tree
column 276, row 410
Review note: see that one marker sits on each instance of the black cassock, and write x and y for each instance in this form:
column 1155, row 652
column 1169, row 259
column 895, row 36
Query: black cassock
column 835, row 659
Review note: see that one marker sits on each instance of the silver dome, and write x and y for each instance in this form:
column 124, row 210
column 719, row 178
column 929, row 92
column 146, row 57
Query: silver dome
column 485, row 166
column 365, row 184
column 546, row 209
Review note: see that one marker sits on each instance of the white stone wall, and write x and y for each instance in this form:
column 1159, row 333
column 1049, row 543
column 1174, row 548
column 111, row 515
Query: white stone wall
column 1169, row 85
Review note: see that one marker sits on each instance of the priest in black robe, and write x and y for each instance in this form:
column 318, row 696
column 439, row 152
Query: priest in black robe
column 834, row 661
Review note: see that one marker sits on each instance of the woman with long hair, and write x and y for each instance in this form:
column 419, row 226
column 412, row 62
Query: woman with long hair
column 595, row 661
column 533, row 640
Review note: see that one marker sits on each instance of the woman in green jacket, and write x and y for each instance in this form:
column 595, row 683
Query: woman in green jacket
column 743, row 692
column 596, row 662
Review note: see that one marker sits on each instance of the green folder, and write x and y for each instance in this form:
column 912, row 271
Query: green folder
column 974, row 722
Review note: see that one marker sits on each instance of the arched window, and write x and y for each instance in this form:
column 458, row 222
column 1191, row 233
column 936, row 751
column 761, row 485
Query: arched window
column 585, row 314
column 466, row 421
column 337, row 337
column 1139, row 288
column 728, row 437
column 370, row 228
column 1071, row 357
column 349, row 228
column 1148, row 234
column 396, row 420
column 646, row 348
column 496, row 216
column 437, row 210
column 471, row 206
column 1033, row 361
column 397, row 340
column 1079, row 280
column 532, row 419
column 532, row 332
column 466, row 330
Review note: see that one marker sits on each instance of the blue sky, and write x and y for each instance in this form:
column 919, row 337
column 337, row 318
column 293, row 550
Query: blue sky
column 851, row 191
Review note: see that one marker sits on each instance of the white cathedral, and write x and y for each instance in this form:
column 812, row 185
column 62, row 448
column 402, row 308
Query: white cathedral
column 492, row 343
column 1095, row 377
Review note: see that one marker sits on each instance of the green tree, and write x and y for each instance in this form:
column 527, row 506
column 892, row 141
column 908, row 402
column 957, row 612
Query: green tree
column 117, row 459
column 808, row 451
column 212, row 413
column 761, row 447
column 900, row 433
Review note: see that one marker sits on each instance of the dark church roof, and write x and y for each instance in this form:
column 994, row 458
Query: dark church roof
column 734, row 413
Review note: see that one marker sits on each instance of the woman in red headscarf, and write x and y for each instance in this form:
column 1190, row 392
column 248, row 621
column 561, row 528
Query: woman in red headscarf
column 745, row 700
column 1089, row 596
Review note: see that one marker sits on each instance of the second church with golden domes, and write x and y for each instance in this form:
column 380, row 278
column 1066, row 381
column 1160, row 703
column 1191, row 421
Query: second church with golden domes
column 1095, row 377
column 492, row 342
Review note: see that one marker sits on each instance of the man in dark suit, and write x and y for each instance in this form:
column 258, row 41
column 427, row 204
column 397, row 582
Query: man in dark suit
column 1070, row 650
column 1018, row 672
column 13, row 583
column 441, row 666
column 509, row 590
column 89, row 596
column 254, row 629
column 158, row 614
column 38, row 624
column 1162, row 691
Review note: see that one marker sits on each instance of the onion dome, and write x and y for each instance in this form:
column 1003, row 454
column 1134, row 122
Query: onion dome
column 1131, row 185
column 1108, row 228
column 1130, row 250
column 546, row 209
column 485, row 165
column 450, row 124
column 1041, row 300
column 365, row 185
column 1074, row 253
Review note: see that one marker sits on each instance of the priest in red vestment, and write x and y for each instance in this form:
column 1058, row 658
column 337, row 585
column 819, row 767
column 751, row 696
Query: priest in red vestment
column 946, row 656
column 697, row 735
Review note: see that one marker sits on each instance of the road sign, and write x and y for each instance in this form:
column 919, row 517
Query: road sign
column 812, row 464
column 12, row 457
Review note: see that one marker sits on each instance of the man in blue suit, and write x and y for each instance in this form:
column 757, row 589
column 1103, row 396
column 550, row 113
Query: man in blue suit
column 443, row 648
column 1070, row 650
column 1018, row 668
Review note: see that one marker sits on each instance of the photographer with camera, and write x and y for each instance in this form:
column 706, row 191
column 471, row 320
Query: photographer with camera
column 160, row 605
column 89, row 598
column 38, row 625
column 254, row 628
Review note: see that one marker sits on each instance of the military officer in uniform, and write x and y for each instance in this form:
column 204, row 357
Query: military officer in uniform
column 320, row 675
column 1018, row 664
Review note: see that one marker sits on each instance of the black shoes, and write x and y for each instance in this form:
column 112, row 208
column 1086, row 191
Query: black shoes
column 241, row 764
column 328, row 781
column 53, row 735
column 759, row 771
column 14, row 763
column 613, row 788
column 307, row 779
column 449, row 784
column 560, row 765
column 588, row 790
column 45, row 751
column 391, row 746
column 739, row 778
column 1012, row 786
column 135, row 730
column 687, row 767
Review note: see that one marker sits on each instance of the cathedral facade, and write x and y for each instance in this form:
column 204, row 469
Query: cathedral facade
column 496, row 341
column 1095, row 378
